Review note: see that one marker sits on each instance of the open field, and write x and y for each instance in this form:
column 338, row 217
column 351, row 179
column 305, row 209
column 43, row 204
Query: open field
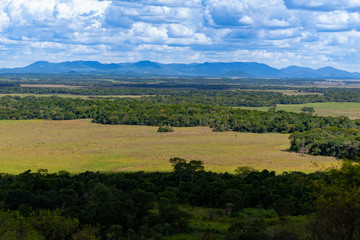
column 49, row 86
column 338, row 83
column 79, row 145
column 287, row 92
column 72, row 95
column 350, row 109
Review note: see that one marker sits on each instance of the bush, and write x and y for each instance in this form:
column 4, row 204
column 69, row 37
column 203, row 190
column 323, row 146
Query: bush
column 165, row 129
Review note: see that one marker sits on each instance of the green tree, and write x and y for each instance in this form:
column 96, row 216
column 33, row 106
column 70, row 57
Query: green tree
column 53, row 225
column 88, row 233
column 165, row 129
column 13, row 226
column 182, row 168
column 338, row 206
column 309, row 110
column 243, row 172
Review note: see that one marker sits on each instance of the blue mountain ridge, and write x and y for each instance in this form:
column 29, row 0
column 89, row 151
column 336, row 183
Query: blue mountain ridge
column 207, row 69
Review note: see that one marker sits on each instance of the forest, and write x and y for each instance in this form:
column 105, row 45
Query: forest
column 94, row 205
column 329, row 141
column 245, row 96
column 189, row 202
column 149, row 112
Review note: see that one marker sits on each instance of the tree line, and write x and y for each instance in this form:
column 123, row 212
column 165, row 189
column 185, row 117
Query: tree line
column 135, row 112
column 93, row 205
column 178, row 94
column 330, row 141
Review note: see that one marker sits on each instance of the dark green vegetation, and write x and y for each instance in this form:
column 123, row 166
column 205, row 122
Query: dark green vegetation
column 331, row 141
column 150, row 205
column 227, row 95
column 102, row 79
column 146, row 112
column 171, row 91
column 165, row 129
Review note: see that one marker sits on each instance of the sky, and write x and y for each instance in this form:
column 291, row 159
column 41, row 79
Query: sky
column 280, row 33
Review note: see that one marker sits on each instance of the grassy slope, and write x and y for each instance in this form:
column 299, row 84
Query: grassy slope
column 352, row 110
column 287, row 92
column 71, row 95
column 78, row 145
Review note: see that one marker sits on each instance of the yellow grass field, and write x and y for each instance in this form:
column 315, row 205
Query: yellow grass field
column 49, row 86
column 335, row 109
column 79, row 145
column 286, row 92
column 71, row 95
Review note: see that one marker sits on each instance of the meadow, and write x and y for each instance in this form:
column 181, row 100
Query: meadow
column 335, row 109
column 49, row 86
column 71, row 95
column 286, row 92
column 79, row 145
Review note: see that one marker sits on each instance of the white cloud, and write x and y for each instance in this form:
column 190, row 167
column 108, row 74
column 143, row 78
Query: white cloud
column 277, row 23
column 76, row 8
column 175, row 3
column 4, row 21
column 323, row 5
column 246, row 20
column 337, row 20
column 277, row 32
column 179, row 30
column 147, row 33
column 283, row 33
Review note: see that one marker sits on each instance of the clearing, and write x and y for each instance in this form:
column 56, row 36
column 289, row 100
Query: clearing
column 71, row 95
column 79, row 145
column 335, row 109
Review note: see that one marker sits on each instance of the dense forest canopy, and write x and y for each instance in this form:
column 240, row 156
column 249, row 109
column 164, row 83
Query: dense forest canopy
column 330, row 141
column 148, row 112
column 148, row 205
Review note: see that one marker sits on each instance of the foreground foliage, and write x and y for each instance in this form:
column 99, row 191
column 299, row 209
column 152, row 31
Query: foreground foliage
column 148, row 205
column 338, row 205
column 331, row 141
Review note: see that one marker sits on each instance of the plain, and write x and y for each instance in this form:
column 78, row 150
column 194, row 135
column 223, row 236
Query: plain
column 79, row 145
column 335, row 109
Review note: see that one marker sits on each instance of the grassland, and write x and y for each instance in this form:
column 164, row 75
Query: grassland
column 288, row 92
column 49, row 86
column 350, row 109
column 79, row 145
column 72, row 95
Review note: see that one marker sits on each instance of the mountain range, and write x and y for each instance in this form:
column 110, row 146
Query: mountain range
column 213, row 69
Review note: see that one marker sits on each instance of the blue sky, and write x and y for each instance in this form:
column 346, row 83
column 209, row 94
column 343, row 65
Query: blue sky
column 311, row 33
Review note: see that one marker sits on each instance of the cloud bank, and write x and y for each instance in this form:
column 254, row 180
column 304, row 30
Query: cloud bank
column 276, row 32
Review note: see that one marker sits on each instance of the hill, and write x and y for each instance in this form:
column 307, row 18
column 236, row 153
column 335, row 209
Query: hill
column 207, row 69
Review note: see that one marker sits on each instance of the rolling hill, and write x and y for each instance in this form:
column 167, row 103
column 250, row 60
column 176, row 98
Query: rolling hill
column 207, row 69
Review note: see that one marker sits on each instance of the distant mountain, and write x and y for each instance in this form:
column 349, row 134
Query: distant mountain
column 331, row 72
column 235, row 74
column 325, row 72
column 300, row 72
column 212, row 69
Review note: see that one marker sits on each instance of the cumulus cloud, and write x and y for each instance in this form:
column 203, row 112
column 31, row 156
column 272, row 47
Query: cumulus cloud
column 179, row 30
column 337, row 21
column 246, row 20
column 276, row 32
column 323, row 5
